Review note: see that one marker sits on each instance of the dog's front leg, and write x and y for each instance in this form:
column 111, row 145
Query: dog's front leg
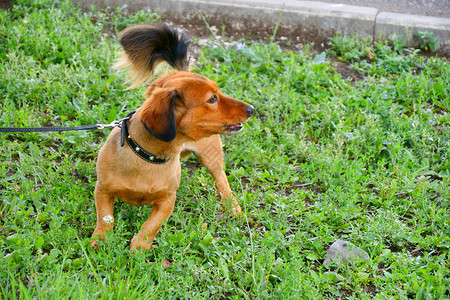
column 161, row 211
column 223, row 188
column 104, row 204
column 209, row 152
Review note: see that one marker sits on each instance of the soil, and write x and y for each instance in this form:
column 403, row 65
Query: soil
column 5, row 4
column 202, row 35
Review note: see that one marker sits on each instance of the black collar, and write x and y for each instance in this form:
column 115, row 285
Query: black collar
column 124, row 135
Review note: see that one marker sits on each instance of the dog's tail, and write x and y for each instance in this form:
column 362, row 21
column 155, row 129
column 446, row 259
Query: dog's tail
column 146, row 46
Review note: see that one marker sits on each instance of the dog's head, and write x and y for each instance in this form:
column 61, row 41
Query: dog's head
column 191, row 104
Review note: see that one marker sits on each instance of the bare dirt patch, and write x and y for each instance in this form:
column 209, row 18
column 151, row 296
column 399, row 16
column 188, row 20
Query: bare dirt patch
column 202, row 36
column 5, row 4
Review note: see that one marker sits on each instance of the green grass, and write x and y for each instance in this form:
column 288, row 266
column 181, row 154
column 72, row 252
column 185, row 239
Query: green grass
column 323, row 158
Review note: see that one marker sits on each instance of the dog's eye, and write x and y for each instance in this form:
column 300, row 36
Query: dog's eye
column 213, row 99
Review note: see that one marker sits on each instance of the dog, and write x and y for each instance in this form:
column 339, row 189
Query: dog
column 183, row 113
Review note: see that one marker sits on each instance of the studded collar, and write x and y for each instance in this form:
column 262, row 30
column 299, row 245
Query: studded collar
column 125, row 135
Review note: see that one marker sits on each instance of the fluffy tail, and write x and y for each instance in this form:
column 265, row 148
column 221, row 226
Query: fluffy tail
column 146, row 46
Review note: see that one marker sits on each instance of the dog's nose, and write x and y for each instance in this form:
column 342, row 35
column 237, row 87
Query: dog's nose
column 250, row 110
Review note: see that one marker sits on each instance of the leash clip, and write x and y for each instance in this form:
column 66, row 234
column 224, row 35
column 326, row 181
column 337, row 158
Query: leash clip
column 112, row 124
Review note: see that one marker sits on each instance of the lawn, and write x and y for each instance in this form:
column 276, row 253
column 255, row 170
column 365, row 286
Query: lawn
column 364, row 158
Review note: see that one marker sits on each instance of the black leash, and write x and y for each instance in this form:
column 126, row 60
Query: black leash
column 47, row 129
column 124, row 136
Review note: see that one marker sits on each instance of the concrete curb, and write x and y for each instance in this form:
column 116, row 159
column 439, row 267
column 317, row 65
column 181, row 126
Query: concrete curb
column 390, row 23
column 302, row 21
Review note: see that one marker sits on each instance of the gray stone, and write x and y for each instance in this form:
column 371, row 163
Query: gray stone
column 343, row 251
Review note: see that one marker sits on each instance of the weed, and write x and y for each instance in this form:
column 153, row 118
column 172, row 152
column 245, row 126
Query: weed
column 427, row 41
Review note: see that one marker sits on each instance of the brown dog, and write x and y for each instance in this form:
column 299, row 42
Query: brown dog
column 183, row 113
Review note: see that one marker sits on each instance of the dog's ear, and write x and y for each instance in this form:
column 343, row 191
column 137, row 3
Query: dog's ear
column 158, row 115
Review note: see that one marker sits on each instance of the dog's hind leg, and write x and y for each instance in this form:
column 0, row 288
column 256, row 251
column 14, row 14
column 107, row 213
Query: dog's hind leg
column 209, row 152
column 104, row 204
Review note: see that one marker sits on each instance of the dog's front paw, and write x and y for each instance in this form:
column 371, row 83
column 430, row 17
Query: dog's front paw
column 237, row 211
column 234, row 207
column 99, row 235
column 140, row 244
column 95, row 241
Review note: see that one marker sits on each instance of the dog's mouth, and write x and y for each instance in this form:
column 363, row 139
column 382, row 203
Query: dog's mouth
column 234, row 128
